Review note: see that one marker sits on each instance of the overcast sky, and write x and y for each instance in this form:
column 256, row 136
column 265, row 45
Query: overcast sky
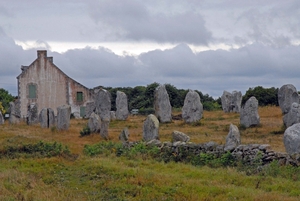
column 210, row 46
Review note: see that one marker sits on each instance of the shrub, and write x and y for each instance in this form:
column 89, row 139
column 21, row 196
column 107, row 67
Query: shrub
column 85, row 131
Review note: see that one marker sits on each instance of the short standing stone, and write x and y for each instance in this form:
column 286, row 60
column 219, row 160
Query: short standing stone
column 291, row 139
column 47, row 118
column 32, row 114
column 103, row 104
column 233, row 138
column 162, row 106
column 104, row 128
column 94, row 123
column 287, row 95
column 293, row 116
column 236, row 101
column 192, row 109
column 14, row 116
column 1, row 118
column 150, row 129
column 226, row 101
column 124, row 135
column 122, row 106
column 63, row 117
column 89, row 109
column 249, row 113
column 179, row 136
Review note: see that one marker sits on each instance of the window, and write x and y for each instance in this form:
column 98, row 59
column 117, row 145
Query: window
column 79, row 96
column 31, row 91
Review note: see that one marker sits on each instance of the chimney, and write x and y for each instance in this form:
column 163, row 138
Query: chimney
column 50, row 59
column 42, row 53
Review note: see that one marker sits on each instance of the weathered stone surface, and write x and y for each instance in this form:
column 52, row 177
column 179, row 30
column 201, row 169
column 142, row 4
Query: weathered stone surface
column 291, row 139
column 94, row 123
column 89, row 109
column 104, row 128
column 103, row 104
column 63, row 117
column 112, row 115
column 293, row 116
column 1, row 118
column 32, row 114
column 287, row 95
column 47, row 118
column 150, row 129
column 14, row 115
column 179, row 136
column 122, row 106
column 249, row 113
column 124, row 135
column 231, row 102
column 233, row 138
column 162, row 106
column 192, row 109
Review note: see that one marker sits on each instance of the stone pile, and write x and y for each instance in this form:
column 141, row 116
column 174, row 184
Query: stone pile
column 192, row 109
column 162, row 106
column 47, row 118
column 249, row 113
column 231, row 102
column 122, row 106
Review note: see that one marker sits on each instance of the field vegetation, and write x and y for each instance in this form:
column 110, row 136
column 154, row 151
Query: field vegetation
column 46, row 164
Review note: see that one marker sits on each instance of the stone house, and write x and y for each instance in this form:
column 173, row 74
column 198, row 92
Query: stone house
column 44, row 84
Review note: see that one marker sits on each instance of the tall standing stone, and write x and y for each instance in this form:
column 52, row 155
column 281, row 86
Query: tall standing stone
column 1, row 118
column 150, row 129
column 231, row 102
column 94, row 123
column 103, row 104
column 233, row 138
column 162, row 106
column 32, row 114
column 249, row 113
column 63, row 117
column 47, row 118
column 14, row 115
column 89, row 109
column 291, row 139
column 122, row 106
column 287, row 95
column 192, row 109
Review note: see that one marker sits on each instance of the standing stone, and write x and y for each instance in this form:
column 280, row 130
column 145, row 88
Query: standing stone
column 122, row 106
column 192, row 109
column 112, row 115
column 32, row 114
column 1, row 118
column 231, row 102
column 103, row 104
column 104, row 128
column 162, row 106
column 226, row 101
column 293, row 116
column 47, row 118
column 124, row 135
column 236, row 101
column 249, row 113
column 94, row 123
column 89, row 109
column 291, row 139
column 14, row 115
column 63, row 117
column 233, row 138
column 287, row 95
column 179, row 136
column 150, row 129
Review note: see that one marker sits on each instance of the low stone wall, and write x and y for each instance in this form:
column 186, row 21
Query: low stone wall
column 249, row 153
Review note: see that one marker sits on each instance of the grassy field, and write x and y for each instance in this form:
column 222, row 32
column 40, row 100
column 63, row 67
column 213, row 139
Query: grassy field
column 107, row 177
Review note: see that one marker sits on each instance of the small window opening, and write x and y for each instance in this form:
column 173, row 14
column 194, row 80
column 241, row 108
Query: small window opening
column 79, row 96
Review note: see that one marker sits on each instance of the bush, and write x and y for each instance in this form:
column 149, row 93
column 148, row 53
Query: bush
column 85, row 131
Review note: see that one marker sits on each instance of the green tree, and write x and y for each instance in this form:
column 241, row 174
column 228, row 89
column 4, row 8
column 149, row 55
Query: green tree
column 265, row 96
column 5, row 98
